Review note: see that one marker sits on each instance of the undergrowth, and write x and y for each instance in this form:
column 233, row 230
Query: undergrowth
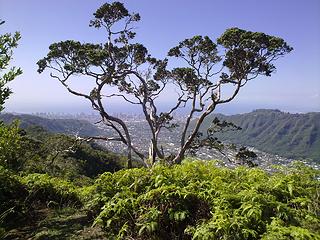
column 198, row 200
column 21, row 195
column 194, row 200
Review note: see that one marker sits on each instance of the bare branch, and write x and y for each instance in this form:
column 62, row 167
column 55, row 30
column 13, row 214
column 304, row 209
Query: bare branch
column 122, row 96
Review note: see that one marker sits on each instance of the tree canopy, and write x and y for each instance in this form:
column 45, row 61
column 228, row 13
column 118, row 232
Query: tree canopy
column 7, row 43
column 207, row 68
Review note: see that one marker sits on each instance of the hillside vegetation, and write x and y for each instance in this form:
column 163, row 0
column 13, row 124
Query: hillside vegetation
column 194, row 200
column 35, row 150
column 52, row 187
column 67, row 126
column 295, row 136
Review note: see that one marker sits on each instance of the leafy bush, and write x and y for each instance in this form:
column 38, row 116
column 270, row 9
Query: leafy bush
column 197, row 200
column 50, row 190
column 10, row 145
column 21, row 196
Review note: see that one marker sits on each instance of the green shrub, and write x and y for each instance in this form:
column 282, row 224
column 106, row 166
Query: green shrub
column 197, row 200
column 50, row 190
column 10, row 146
column 21, row 195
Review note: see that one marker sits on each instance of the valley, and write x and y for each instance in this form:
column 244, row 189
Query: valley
column 268, row 153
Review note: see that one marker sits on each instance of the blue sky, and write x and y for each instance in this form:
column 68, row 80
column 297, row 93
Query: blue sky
column 295, row 87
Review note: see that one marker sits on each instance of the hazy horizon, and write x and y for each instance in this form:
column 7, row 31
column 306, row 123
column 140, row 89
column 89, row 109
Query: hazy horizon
column 231, row 109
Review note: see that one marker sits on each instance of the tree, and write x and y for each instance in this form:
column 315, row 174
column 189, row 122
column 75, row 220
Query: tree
column 7, row 43
column 207, row 70
column 209, row 139
column 10, row 140
column 246, row 156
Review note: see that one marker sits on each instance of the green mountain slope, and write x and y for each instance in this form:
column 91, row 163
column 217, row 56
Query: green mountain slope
column 289, row 135
column 68, row 126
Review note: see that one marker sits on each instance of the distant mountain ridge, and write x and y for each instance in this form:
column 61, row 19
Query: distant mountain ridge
column 290, row 135
column 67, row 126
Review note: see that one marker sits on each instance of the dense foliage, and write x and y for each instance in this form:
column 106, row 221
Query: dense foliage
column 21, row 195
column 194, row 200
column 198, row 200
column 10, row 146
column 35, row 150
column 41, row 170
column 290, row 135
